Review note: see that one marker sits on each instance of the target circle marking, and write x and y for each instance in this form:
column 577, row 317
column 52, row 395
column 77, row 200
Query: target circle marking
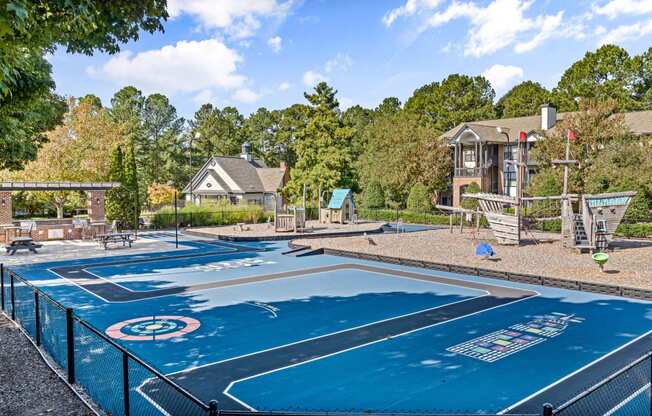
column 152, row 328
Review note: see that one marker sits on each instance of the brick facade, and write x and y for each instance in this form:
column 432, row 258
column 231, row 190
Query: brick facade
column 95, row 203
column 6, row 215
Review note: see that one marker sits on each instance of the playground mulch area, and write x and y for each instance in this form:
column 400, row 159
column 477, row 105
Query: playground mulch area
column 28, row 386
column 630, row 261
column 266, row 230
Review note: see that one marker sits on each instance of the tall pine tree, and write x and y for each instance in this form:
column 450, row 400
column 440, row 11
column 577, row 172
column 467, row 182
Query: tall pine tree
column 322, row 146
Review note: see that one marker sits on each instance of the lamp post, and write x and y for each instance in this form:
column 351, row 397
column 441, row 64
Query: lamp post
column 197, row 135
column 176, row 221
column 176, row 217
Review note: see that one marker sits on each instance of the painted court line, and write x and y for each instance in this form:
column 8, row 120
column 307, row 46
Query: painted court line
column 232, row 383
column 575, row 373
column 223, row 374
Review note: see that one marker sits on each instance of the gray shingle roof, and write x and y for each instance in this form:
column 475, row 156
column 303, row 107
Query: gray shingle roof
column 639, row 122
column 250, row 176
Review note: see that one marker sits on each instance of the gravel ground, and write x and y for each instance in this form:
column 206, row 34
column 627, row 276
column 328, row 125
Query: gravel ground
column 630, row 261
column 265, row 229
column 27, row 385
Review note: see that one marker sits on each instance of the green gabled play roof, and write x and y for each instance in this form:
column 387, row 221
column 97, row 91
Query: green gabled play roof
column 338, row 197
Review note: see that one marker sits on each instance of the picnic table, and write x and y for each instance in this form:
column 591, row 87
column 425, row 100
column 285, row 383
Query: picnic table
column 22, row 243
column 124, row 238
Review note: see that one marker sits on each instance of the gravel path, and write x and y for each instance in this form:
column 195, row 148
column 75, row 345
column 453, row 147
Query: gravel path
column 630, row 262
column 27, row 385
column 267, row 230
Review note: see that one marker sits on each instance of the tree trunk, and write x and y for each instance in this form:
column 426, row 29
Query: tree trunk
column 59, row 211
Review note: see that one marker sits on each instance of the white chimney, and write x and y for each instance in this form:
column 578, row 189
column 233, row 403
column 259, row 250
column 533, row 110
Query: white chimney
column 548, row 116
column 246, row 152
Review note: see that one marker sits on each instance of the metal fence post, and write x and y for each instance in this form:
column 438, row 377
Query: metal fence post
column 13, row 298
column 70, row 338
column 547, row 409
column 212, row 408
column 2, row 285
column 37, row 316
column 125, row 381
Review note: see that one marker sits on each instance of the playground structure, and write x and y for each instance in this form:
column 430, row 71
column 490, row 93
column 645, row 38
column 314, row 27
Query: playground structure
column 340, row 209
column 590, row 227
column 293, row 219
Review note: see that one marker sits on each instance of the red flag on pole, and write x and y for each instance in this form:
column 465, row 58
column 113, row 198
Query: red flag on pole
column 570, row 134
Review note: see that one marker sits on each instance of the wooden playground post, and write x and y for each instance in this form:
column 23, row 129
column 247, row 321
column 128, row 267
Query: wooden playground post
column 477, row 219
column 319, row 203
column 461, row 222
column 275, row 212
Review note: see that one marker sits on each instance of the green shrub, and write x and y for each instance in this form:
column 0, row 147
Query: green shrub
column 374, row 197
column 419, row 200
column 210, row 214
column 389, row 215
column 640, row 230
column 470, row 203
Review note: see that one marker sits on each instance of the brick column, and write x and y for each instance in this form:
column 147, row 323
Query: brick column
column 95, row 204
column 6, row 216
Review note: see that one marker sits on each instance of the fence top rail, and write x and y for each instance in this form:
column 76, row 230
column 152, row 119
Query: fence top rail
column 115, row 345
column 353, row 413
column 602, row 383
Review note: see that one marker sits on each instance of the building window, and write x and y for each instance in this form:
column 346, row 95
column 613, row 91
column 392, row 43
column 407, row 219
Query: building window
column 469, row 158
column 509, row 170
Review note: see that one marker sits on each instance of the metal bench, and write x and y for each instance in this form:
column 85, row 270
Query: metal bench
column 116, row 238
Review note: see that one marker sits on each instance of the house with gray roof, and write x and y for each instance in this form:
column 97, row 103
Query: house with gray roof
column 481, row 147
column 242, row 179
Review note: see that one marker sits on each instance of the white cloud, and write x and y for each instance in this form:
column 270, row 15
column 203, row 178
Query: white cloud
column 275, row 43
column 312, row 78
column 614, row 8
column 549, row 26
column 503, row 76
column 341, row 62
column 204, row 97
column 245, row 95
column 284, row 86
column 237, row 17
column 408, row 9
column 499, row 24
column 188, row 66
column 626, row 32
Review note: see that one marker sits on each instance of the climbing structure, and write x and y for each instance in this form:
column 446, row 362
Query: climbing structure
column 600, row 215
column 591, row 228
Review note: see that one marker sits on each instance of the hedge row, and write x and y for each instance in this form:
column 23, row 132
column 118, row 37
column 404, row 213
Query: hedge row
column 194, row 216
column 412, row 217
column 638, row 230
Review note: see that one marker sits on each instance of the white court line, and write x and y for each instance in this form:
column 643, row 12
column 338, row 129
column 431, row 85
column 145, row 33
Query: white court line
column 487, row 293
column 49, row 269
column 549, row 386
column 627, row 400
column 226, row 391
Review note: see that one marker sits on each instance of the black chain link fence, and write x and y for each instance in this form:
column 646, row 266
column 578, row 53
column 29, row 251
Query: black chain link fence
column 624, row 393
column 122, row 384
column 111, row 375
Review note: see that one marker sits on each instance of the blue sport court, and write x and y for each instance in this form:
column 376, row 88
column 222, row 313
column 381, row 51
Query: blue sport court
column 256, row 329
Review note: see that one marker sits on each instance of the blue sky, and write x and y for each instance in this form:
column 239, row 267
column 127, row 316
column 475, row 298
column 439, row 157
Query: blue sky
column 253, row 53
